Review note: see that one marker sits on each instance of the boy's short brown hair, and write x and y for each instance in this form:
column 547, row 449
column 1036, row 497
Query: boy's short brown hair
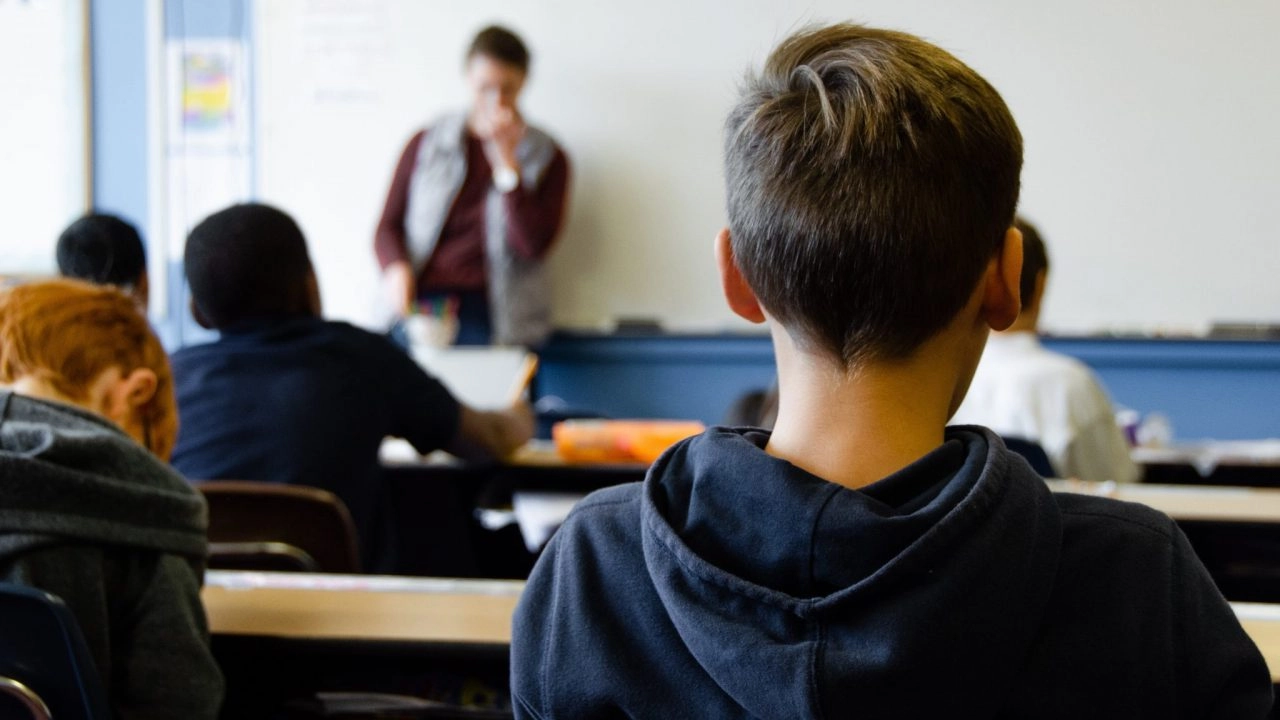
column 870, row 178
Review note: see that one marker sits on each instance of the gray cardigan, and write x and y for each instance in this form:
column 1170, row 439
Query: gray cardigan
column 519, row 296
column 92, row 517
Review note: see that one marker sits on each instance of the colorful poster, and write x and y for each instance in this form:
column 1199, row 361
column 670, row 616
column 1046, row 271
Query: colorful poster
column 206, row 92
column 207, row 106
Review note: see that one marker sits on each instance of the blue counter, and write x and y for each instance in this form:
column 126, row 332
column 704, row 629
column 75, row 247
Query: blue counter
column 1207, row 388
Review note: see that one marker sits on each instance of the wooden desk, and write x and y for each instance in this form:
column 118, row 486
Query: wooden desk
column 1254, row 463
column 280, row 637
column 1225, row 524
column 535, row 454
column 360, row 607
column 435, row 498
column 1189, row 502
column 1262, row 622
column 451, row 489
column 1210, row 454
column 1235, row 531
column 536, row 466
column 428, row 613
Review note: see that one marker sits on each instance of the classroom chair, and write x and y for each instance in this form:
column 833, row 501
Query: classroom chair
column 45, row 667
column 265, row 526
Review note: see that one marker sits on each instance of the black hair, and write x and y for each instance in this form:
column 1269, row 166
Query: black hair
column 870, row 178
column 500, row 44
column 102, row 249
column 245, row 262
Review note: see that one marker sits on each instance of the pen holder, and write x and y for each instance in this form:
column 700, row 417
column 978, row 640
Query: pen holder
column 431, row 330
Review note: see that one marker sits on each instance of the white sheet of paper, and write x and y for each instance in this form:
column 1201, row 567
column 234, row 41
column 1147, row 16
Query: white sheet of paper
column 540, row 514
column 486, row 378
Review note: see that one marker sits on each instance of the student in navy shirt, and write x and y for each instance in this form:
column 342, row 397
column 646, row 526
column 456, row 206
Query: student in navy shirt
column 285, row 396
column 864, row 560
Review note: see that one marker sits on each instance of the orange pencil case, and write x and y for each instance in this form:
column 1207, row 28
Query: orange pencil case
column 619, row 440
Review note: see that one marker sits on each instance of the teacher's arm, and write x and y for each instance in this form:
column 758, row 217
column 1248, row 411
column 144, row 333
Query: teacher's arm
column 389, row 240
column 534, row 214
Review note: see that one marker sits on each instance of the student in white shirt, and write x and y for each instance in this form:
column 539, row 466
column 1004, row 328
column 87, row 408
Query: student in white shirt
column 1023, row 390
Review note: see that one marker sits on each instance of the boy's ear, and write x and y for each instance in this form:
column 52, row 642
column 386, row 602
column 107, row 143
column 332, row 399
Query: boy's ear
column 200, row 319
column 124, row 395
column 739, row 295
column 1002, row 299
column 314, row 304
column 139, row 387
column 142, row 291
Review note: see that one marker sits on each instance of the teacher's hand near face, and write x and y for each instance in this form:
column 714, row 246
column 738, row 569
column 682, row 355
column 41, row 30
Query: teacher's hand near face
column 505, row 131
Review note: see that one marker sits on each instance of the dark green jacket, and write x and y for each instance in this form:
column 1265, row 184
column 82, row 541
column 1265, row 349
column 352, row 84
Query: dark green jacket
column 92, row 517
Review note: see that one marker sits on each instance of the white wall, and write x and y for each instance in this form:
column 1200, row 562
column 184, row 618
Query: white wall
column 1153, row 164
column 43, row 165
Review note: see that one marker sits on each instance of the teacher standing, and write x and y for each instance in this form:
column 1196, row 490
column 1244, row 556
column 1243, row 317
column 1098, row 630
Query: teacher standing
column 475, row 205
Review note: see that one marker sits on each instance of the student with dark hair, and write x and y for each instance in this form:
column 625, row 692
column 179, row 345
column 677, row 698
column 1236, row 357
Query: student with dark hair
column 864, row 559
column 475, row 205
column 105, row 250
column 285, row 396
column 89, row 511
column 1023, row 390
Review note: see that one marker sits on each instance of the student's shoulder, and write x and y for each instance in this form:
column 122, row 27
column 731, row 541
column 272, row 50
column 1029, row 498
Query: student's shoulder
column 1117, row 553
column 1102, row 517
column 305, row 336
column 598, row 543
column 1066, row 369
column 196, row 353
column 345, row 330
column 608, row 505
column 360, row 341
column 606, row 521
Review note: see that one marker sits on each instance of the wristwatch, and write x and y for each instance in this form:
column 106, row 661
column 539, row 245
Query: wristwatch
column 505, row 178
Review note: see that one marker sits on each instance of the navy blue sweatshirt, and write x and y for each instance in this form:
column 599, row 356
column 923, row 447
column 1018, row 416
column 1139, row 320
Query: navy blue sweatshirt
column 732, row 584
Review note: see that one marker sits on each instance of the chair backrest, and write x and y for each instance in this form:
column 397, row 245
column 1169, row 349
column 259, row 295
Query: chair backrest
column 265, row 526
column 1034, row 454
column 45, row 667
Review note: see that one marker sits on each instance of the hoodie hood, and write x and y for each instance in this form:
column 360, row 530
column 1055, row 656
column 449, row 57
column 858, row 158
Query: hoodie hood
column 894, row 599
column 68, row 474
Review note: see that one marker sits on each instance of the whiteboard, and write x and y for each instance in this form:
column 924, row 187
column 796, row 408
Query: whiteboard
column 1152, row 158
column 43, row 129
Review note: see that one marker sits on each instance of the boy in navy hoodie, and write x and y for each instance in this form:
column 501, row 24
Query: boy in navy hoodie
column 864, row 559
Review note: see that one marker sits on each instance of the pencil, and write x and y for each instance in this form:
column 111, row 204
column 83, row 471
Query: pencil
column 526, row 375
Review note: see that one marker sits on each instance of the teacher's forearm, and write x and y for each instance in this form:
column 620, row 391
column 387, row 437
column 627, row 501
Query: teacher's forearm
column 389, row 238
column 389, row 247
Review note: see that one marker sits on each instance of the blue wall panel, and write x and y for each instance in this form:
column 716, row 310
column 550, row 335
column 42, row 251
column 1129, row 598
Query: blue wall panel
column 120, row 153
column 1227, row 390
column 1224, row 390
column 655, row 376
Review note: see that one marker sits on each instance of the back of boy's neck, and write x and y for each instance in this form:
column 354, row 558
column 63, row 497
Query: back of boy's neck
column 855, row 428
